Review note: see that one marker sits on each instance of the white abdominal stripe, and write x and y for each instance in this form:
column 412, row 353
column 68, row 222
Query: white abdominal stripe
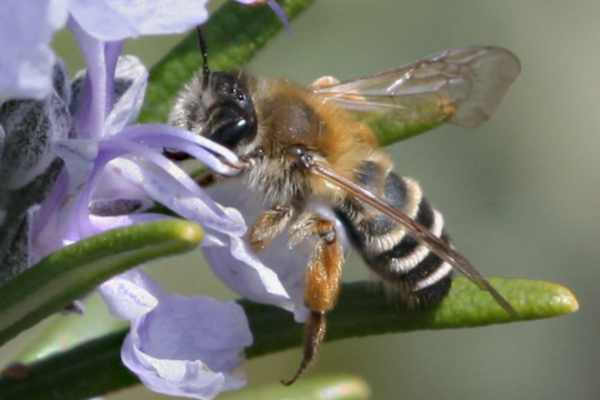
column 408, row 263
column 443, row 271
column 405, row 264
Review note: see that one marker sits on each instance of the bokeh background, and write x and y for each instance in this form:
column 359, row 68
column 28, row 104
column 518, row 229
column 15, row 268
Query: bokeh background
column 521, row 194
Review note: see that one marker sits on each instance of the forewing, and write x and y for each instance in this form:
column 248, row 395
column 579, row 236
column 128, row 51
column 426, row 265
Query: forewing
column 463, row 86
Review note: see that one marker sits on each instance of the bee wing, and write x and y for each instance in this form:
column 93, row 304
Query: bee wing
column 463, row 86
column 437, row 246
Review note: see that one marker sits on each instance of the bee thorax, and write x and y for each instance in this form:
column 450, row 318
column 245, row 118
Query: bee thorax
column 276, row 181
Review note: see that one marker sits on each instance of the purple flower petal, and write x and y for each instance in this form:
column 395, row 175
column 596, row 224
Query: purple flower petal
column 162, row 180
column 275, row 275
column 42, row 244
column 280, row 13
column 110, row 20
column 131, row 294
column 166, row 189
column 181, row 346
column 148, row 134
column 26, row 62
column 112, row 51
column 90, row 112
column 242, row 271
column 129, row 71
column 103, row 224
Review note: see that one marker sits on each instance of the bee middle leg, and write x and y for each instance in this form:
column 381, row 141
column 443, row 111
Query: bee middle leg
column 323, row 278
column 268, row 225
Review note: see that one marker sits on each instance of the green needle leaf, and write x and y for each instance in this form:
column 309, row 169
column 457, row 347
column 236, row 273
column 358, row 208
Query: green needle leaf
column 361, row 311
column 336, row 387
column 389, row 131
column 75, row 270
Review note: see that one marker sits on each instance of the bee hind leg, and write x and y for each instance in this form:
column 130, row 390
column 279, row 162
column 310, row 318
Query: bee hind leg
column 323, row 278
column 268, row 225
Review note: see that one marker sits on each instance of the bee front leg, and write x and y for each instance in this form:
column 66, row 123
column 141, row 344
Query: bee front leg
column 323, row 278
column 268, row 225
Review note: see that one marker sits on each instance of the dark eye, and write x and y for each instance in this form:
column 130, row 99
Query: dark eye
column 238, row 94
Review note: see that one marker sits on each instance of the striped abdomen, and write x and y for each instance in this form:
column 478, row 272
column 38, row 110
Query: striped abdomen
column 409, row 268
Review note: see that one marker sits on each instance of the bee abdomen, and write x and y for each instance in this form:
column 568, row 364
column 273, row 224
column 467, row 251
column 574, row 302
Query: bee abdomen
column 415, row 275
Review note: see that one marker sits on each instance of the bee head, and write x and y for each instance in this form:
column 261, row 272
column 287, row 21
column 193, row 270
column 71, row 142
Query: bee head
column 217, row 105
column 230, row 116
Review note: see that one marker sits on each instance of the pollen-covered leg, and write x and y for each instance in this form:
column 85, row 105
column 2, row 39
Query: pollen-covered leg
column 322, row 284
column 268, row 225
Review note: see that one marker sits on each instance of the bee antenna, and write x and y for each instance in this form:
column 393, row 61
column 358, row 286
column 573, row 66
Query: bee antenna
column 204, row 52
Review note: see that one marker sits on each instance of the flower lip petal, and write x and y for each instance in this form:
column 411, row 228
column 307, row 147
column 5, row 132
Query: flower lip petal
column 129, row 72
column 166, row 183
column 188, row 346
column 140, row 132
column 177, row 345
column 131, row 294
column 211, row 159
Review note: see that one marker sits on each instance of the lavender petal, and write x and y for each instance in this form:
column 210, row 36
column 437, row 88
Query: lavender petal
column 26, row 62
column 92, row 103
column 246, row 272
column 131, row 77
column 130, row 295
column 110, row 20
column 181, row 346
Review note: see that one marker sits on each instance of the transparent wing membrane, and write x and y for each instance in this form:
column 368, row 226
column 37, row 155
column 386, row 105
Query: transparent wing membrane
column 463, row 86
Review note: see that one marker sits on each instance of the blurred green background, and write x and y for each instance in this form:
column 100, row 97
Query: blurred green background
column 521, row 194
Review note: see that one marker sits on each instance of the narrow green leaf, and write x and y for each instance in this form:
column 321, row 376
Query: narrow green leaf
column 66, row 331
column 361, row 311
column 364, row 311
column 390, row 131
column 234, row 33
column 336, row 387
column 77, row 269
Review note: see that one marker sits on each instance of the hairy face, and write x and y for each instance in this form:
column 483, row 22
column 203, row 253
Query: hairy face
column 220, row 108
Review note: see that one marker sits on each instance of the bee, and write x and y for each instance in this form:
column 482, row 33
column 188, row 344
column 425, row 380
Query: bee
column 313, row 145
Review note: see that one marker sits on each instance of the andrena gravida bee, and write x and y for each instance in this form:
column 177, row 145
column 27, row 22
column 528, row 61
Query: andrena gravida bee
column 307, row 145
